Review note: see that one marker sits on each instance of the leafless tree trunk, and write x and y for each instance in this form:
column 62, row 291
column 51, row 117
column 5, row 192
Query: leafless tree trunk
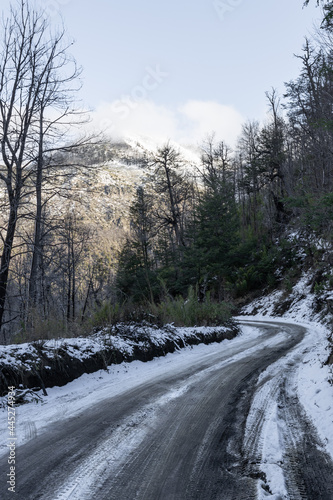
column 170, row 183
column 38, row 81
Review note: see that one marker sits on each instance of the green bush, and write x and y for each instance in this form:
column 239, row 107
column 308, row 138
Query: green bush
column 319, row 288
column 191, row 312
column 107, row 314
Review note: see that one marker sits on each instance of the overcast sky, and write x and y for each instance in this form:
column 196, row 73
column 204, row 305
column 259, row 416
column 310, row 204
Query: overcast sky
column 183, row 68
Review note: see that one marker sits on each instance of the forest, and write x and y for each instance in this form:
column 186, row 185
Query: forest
column 200, row 239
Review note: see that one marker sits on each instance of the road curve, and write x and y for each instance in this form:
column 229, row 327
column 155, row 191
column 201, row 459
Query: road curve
column 184, row 435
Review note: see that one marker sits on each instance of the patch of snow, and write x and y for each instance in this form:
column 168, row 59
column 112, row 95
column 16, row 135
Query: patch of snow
column 264, row 304
column 191, row 153
column 315, row 391
column 272, row 458
column 300, row 303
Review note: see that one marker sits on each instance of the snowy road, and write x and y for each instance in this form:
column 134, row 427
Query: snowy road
column 227, row 425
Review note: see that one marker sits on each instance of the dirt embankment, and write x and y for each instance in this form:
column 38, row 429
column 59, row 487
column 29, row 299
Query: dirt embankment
column 43, row 364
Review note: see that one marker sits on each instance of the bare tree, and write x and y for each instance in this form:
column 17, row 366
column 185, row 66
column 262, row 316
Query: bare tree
column 35, row 85
column 216, row 162
column 173, row 189
column 250, row 168
column 55, row 111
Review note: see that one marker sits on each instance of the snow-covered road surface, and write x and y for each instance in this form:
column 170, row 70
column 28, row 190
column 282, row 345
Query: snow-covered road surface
column 215, row 422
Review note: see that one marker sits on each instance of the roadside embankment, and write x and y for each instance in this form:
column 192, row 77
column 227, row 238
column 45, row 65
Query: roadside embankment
column 43, row 364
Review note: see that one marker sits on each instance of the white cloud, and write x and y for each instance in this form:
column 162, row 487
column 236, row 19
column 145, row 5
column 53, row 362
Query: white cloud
column 205, row 117
column 189, row 123
column 122, row 118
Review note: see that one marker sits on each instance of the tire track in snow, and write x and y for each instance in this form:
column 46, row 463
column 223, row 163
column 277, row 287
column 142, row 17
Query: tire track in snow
column 108, row 457
column 307, row 466
column 282, row 441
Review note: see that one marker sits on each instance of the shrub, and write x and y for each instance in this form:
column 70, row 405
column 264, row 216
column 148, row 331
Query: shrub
column 191, row 312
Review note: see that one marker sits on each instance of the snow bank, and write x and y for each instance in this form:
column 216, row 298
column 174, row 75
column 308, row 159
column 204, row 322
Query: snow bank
column 44, row 364
column 301, row 304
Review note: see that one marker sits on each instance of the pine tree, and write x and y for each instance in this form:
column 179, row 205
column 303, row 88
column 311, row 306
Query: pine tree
column 136, row 278
column 215, row 230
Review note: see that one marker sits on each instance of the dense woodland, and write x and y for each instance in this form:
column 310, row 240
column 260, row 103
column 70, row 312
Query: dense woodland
column 200, row 238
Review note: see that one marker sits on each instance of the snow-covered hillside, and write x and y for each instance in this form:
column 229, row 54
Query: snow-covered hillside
column 104, row 190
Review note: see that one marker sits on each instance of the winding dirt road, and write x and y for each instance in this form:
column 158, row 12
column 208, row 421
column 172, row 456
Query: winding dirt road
column 193, row 434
